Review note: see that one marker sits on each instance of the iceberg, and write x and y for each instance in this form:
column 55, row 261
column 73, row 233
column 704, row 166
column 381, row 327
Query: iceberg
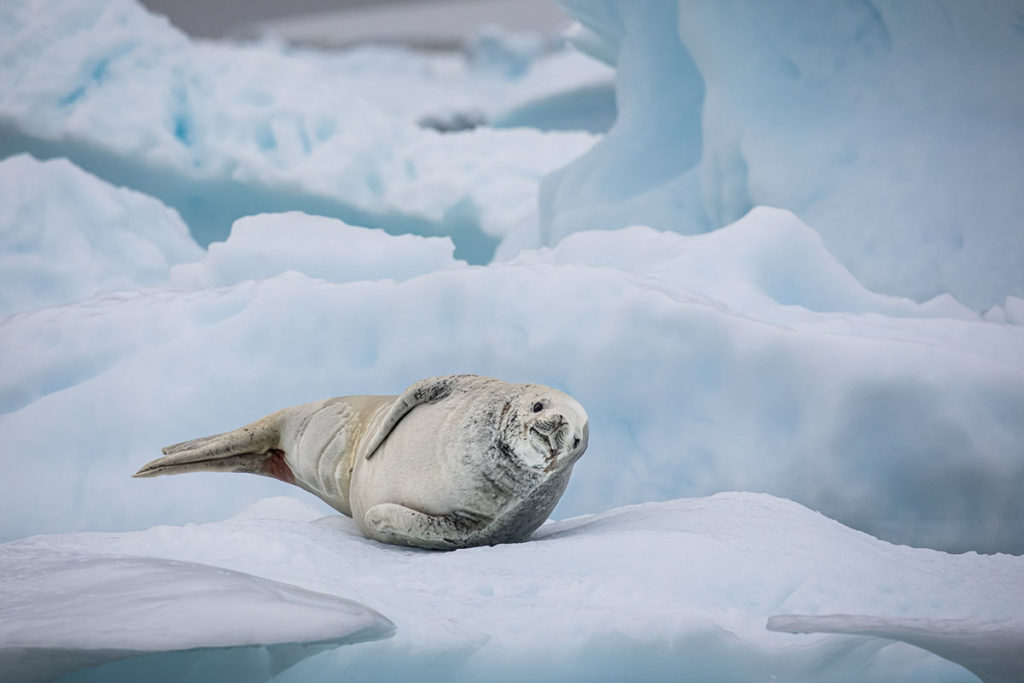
column 644, row 592
column 890, row 127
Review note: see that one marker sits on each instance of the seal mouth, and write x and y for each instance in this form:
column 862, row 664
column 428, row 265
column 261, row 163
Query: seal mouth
column 550, row 437
column 543, row 443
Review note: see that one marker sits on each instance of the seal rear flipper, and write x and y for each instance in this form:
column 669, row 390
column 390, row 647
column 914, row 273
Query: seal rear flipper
column 252, row 448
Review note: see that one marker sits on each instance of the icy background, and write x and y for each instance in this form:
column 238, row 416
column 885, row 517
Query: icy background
column 721, row 279
column 893, row 128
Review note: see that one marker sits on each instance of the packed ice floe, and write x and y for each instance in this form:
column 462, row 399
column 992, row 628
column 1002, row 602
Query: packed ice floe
column 263, row 129
column 887, row 128
column 751, row 357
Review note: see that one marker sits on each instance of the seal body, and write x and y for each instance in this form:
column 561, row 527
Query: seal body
column 454, row 461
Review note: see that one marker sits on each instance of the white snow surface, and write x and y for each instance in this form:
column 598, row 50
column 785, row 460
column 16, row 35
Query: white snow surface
column 644, row 592
column 891, row 127
column 63, row 610
column 66, row 235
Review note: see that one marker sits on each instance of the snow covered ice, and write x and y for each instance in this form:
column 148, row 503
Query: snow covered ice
column 776, row 354
column 641, row 593
column 66, row 610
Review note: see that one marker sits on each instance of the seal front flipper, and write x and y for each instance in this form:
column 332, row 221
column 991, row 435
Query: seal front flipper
column 394, row 523
column 252, row 448
column 424, row 391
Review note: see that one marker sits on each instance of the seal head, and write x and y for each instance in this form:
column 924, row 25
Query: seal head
column 544, row 429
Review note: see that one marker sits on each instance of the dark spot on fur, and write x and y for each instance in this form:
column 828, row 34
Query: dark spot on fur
column 505, row 450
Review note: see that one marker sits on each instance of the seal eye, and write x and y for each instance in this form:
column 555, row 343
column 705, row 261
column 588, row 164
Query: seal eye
column 576, row 443
column 538, row 406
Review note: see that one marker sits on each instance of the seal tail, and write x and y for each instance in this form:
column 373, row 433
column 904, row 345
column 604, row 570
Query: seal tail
column 252, row 449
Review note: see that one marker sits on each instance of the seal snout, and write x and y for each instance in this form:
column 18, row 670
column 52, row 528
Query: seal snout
column 557, row 438
column 554, row 430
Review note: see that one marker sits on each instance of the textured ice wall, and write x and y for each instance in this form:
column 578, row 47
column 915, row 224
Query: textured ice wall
column 891, row 127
